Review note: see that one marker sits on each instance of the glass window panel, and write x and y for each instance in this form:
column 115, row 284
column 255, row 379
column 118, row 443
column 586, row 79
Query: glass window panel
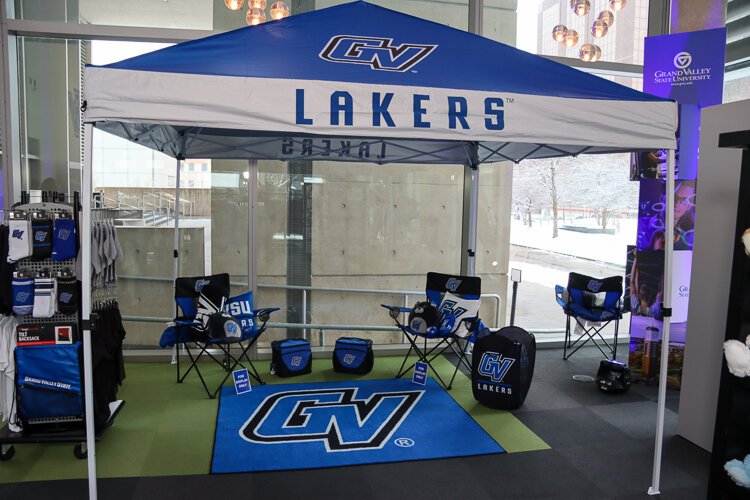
column 569, row 214
column 206, row 14
column 622, row 43
column 354, row 226
column 500, row 20
column 586, row 188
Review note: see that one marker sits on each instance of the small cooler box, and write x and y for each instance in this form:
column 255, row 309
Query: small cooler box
column 48, row 381
column 353, row 355
column 291, row 357
column 502, row 367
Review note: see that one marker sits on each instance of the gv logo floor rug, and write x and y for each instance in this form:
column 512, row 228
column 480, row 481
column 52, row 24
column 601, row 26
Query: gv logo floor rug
column 329, row 424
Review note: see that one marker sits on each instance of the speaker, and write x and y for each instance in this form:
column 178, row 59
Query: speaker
column 613, row 376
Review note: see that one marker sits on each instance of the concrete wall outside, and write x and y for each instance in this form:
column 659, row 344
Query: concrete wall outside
column 374, row 227
column 148, row 253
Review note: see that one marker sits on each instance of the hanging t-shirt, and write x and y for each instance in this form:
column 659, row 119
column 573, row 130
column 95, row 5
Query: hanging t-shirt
column 8, row 371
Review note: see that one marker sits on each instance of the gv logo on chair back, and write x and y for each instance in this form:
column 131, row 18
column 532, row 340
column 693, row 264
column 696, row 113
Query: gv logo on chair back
column 335, row 417
column 199, row 284
column 594, row 285
column 452, row 284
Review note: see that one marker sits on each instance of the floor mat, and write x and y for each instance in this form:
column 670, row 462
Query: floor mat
column 329, row 424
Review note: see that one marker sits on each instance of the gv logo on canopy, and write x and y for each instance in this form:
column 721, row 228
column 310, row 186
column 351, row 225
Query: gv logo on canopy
column 332, row 416
column 378, row 53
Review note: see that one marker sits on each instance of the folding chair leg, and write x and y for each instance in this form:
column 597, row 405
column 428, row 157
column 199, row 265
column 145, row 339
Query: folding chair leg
column 461, row 359
column 229, row 367
column 254, row 373
column 194, row 362
column 424, row 356
column 179, row 381
column 590, row 334
column 614, row 347
column 401, row 372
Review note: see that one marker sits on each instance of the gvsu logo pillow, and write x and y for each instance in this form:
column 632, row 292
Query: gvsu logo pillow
column 241, row 309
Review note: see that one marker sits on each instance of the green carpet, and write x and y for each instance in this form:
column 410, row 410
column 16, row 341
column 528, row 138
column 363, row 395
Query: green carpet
column 167, row 428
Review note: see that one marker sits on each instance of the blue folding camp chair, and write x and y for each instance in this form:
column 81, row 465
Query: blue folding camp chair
column 590, row 300
column 191, row 294
column 455, row 325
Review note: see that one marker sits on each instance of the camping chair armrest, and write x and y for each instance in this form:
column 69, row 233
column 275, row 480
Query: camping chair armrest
column 264, row 314
column 560, row 298
column 397, row 308
column 395, row 311
column 471, row 323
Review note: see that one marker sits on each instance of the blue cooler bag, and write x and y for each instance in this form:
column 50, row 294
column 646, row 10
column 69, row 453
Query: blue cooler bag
column 291, row 357
column 353, row 355
column 48, row 381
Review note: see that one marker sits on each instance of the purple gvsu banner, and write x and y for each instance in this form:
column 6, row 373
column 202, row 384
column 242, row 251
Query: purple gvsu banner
column 687, row 67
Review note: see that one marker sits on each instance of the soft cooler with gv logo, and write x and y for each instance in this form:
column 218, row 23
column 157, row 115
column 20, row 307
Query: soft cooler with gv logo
column 353, row 355
column 502, row 367
column 291, row 357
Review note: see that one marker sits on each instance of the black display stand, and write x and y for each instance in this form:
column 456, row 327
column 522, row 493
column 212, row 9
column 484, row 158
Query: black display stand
column 732, row 431
column 62, row 430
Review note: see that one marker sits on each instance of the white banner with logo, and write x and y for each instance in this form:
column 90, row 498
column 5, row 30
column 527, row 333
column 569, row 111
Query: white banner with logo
column 683, row 261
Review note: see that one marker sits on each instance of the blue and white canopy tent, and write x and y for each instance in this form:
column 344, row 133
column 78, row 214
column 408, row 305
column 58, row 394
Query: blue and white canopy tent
column 361, row 83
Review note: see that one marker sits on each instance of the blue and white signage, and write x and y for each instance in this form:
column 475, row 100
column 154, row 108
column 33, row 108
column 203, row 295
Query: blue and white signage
column 420, row 373
column 242, row 381
column 688, row 67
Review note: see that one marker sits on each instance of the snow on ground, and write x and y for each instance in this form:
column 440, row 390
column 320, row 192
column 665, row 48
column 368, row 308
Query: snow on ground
column 609, row 248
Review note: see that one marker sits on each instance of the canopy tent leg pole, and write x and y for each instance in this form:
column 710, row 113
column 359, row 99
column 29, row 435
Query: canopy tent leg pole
column 85, row 249
column 667, row 315
column 176, row 253
column 473, row 209
column 176, row 256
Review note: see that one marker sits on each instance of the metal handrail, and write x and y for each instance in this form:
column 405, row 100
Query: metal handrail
column 328, row 326
column 117, row 204
column 172, row 199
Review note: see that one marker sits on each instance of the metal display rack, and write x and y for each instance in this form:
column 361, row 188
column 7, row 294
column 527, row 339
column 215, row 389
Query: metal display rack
column 62, row 429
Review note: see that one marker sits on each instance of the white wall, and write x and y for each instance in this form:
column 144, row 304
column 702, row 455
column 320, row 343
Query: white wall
column 716, row 213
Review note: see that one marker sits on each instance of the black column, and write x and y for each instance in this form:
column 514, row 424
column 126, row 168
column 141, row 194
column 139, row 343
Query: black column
column 299, row 241
column 299, row 224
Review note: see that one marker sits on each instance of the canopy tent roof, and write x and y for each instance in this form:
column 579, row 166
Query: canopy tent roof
column 358, row 82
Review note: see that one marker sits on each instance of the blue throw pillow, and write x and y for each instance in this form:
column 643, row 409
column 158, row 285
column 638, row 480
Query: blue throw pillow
column 241, row 309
